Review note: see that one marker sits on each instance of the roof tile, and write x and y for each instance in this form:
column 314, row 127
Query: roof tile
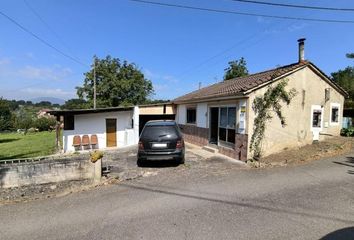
column 239, row 85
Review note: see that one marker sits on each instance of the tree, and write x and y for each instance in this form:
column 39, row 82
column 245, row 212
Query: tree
column 237, row 68
column 75, row 103
column 43, row 104
column 45, row 123
column 5, row 115
column 345, row 79
column 117, row 83
column 350, row 55
column 23, row 119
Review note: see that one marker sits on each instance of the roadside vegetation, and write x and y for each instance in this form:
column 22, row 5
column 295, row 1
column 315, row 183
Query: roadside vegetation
column 18, row 145
column 331, row 147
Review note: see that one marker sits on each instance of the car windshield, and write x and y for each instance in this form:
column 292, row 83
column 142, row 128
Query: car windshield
column 155, row 132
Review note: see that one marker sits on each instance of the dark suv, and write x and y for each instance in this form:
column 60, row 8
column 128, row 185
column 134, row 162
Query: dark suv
column 161, row 140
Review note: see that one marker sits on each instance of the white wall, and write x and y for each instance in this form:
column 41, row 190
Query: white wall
column 181, row 114
column 95, row 123
column 202, row 115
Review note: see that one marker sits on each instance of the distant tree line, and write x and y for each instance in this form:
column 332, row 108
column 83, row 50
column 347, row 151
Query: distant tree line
column 345, row 79
column 20, row 114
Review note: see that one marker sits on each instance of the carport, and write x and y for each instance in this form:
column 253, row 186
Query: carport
column 161, row 111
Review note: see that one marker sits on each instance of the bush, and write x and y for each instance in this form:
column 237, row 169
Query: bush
column 45, row 124
column 348, row 132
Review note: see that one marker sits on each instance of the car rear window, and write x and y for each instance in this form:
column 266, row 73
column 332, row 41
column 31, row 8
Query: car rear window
column 154, row 132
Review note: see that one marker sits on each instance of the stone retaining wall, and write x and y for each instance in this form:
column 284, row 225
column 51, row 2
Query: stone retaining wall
column 46, row 171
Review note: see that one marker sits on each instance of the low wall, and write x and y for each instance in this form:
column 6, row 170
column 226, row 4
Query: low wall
column 46, row 171
column 194, row 134
column 199, row 136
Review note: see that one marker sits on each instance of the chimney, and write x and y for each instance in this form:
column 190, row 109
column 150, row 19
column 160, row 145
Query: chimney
column 301, row 49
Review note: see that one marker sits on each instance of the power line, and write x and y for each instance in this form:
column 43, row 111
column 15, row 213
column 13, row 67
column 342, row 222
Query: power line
column 46, row 24
column 242, row 13
column 208, row 60
column 42, row 40
column 295, row 6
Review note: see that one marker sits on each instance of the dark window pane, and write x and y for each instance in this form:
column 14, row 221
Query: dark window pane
column 159, row 132
column 231, row 118
column 223, row 117
column 222, row 134
column 335, row 114
column 231, row 135
column 69, row 122
column 316, row 119
column 191, row 115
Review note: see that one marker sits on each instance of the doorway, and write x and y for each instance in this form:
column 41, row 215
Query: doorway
column 111, row 132
column 214, row 125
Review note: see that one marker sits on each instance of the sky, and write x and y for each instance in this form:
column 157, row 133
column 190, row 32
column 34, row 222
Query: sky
column 175, row 48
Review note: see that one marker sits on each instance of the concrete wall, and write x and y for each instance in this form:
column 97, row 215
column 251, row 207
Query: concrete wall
column 95, row 123
column 46, row 171
column 150, row 110
column 310, row 89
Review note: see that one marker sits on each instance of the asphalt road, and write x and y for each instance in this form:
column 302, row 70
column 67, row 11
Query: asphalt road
column 312, row 201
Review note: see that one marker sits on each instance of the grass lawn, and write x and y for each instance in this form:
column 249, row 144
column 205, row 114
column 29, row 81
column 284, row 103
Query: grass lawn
column 16, row 145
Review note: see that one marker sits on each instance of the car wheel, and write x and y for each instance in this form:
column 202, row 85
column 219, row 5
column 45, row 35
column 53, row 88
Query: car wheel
column 181, row 161
column 140, row 162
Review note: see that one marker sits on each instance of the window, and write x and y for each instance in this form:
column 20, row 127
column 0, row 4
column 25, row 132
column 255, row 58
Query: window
column 334, row 113
column 316, row 118
column 191, row 115
column 69, row 122
column 227, row 124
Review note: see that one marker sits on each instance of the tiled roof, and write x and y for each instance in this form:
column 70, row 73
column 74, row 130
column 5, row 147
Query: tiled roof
column 240, row 84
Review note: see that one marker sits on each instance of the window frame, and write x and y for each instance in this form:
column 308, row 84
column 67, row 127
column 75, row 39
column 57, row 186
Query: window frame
column 226, row 142
column 191, row 108
column 334, row 105
column 313, row 108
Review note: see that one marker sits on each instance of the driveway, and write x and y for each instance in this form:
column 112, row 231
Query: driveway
column 299, row 202
column 123, row 163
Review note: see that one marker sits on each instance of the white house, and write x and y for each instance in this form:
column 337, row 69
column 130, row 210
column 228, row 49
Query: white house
column 107, row 128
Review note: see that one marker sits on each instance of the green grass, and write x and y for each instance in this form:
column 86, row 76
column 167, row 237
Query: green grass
column 16, row 145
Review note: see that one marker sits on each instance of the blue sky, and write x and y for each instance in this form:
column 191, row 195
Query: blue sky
column 175, row 48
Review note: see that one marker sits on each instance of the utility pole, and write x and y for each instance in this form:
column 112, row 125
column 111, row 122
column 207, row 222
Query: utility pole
column 94, row 82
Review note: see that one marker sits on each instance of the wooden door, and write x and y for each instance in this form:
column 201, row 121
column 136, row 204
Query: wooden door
column 111, row 132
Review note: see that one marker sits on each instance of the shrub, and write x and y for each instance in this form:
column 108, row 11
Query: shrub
column 96, row 155
column 348, row 132
column 45, row 124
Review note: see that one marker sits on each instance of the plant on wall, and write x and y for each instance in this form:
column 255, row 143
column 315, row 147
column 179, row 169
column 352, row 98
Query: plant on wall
column 264, row 106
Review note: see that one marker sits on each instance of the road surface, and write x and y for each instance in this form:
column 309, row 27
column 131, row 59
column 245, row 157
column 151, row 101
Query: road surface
column 307, row 201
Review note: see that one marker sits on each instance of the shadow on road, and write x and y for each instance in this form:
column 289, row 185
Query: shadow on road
column 348, row 163
column 341, row 234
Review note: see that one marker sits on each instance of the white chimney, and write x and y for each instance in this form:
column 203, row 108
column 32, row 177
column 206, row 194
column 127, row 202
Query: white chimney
column 301, row 49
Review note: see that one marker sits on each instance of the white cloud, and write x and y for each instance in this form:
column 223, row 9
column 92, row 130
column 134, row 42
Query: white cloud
column 44, row 73
column 160, row 87
column 56, row 92
column 296, row 27
column 155, row 76
column 4, row 61
column 30, row 55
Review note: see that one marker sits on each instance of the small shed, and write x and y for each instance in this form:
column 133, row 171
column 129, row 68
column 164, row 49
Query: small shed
column 106, row 128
